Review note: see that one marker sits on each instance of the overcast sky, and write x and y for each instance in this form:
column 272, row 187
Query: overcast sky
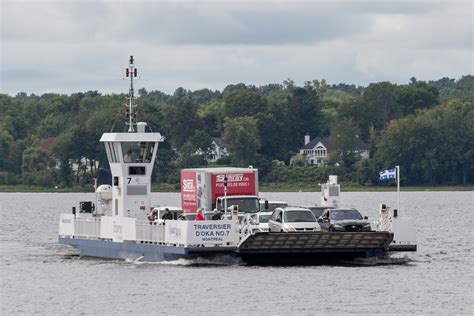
column 73, row 46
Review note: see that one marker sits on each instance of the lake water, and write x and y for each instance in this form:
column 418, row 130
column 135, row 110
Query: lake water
column 40, row 276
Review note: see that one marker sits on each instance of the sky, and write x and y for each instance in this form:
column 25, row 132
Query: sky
column 77, row 46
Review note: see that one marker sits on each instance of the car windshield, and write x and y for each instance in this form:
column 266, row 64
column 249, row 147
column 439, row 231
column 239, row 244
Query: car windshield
column 264, row 218
column 273, row 206
column 345, row 214
column 250, row 205
column 317, row 211
column 299, row 216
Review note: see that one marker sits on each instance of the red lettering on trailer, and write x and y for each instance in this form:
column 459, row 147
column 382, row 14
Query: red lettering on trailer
column 237, row 184
column 188, row 191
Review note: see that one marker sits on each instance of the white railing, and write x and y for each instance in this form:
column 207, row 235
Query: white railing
column 88, row 227
column 150, row 231
column 223, row 233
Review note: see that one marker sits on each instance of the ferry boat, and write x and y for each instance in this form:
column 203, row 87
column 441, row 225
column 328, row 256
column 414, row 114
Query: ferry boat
column 117, row 226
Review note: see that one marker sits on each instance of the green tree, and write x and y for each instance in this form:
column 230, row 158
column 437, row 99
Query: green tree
column 302, row 115
column 7, row 151
column 432, row 148
column 345, row 139
column 188, row 156
column 376, row 107
column 180, row 121
column 418, row 95
column 212, row 116
column 242, row 139
column 34, row 164
column 243, row 103
column 202, row 142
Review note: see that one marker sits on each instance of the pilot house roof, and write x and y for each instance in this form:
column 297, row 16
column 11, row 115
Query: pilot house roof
column 131, row 137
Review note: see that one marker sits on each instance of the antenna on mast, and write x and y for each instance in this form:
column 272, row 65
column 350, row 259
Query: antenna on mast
column 131, row 111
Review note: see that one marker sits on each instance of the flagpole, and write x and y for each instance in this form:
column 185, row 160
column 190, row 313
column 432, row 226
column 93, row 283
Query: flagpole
column 398, row 186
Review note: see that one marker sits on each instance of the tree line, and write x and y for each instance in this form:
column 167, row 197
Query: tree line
column 425, row 127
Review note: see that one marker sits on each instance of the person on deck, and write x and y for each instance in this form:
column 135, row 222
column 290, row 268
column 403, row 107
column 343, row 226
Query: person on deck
column 216, row 215
column 152, row 216
column 167, row 214
column 199, row 216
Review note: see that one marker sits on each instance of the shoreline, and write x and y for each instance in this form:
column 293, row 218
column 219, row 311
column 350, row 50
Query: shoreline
column 262, row 188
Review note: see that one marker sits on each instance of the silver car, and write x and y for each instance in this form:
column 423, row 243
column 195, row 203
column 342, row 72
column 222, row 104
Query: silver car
column 292, row 219
column 342, row 219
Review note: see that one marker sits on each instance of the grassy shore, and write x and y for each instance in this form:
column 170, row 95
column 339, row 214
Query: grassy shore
column 351, row 187
column 265, row 187
column 39, row 189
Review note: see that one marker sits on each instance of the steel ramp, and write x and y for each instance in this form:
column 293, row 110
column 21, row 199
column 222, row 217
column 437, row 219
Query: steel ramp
column 312, row 246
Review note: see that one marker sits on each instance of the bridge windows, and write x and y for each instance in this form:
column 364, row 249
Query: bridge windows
column 137, row 152
column 136, row 171
column 112, row 154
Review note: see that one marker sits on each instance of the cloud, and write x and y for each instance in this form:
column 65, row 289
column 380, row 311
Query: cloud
column 215, row 24
column 180, row 22
column 84, row 45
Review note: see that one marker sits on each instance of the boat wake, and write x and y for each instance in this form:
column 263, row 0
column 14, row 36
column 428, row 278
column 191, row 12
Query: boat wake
column 215, row 261
column 378, row 261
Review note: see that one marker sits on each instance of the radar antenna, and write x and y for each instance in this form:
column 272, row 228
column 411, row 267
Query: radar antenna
column 131, row 112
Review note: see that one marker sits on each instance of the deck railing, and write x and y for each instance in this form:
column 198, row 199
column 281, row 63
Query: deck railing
column 180, row 232
column 150, row 232
column 87, row 227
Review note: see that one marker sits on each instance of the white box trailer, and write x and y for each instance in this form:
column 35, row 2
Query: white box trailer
column 200, row 187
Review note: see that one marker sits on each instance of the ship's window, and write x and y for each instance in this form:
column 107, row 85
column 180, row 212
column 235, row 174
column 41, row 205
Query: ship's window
column 110, row 151
column 136, row 190
column 107, row 149
column 140, row 171
column 137, row 152
column 113, row 153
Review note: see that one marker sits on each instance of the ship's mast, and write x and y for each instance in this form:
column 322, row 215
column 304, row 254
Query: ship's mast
column 131, row 72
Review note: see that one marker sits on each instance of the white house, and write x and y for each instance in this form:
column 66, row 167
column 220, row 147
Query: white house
column 217, row 151
column 318, row 149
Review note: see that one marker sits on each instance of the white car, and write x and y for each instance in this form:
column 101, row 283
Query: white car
column 254, row 223
column 262, row 219
column 293, row 219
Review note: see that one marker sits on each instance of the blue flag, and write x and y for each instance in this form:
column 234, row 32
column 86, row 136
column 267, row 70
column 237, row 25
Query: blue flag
column 388, row 174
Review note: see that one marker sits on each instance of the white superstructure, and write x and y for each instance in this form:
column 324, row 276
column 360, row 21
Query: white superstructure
column 330, row 192
column 131, row 157
column 120, row 214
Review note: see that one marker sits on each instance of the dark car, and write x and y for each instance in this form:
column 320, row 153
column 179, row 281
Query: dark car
column 343, row 219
